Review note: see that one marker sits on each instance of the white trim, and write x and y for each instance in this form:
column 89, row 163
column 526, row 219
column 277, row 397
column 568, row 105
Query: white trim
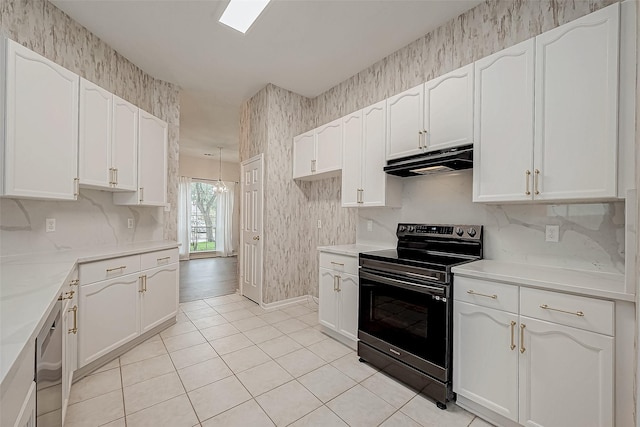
column 284, row 302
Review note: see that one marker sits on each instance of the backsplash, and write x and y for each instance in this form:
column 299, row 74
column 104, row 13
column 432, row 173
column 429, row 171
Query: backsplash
column 93, row 219
column 591, row 235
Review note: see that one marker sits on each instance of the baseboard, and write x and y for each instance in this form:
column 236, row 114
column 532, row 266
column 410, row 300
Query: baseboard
column 284, row 302
column 484, row 413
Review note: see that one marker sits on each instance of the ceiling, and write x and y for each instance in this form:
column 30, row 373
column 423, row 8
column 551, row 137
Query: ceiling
column 305, row 46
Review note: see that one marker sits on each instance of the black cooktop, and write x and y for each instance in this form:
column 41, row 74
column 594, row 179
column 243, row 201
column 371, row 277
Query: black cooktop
column 415, row 258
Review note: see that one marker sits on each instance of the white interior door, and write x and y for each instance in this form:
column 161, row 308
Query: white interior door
column 251, row 224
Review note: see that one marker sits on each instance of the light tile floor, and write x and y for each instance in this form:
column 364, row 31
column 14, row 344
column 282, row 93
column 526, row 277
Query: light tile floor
column 227, row 362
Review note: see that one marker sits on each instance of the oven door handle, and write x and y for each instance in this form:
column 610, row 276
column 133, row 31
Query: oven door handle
column 417, row 287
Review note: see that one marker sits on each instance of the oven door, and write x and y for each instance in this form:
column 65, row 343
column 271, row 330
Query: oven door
column 407, row 320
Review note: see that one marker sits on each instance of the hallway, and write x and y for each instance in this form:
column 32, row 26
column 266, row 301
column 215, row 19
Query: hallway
column 208, row 278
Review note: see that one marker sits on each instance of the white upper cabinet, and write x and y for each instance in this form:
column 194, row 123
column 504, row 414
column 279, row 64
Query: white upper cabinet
column 124, row 145
column 108, row 140
column 405, row 123
column 304, row 154
column 546, row 115
column 432, row 116
column 576, row 114
column 94, row 148
column 329, row 147
column 152, row 164
column 364, row 182
column 40, row 126
column 503, row 150
column 448, row 110
column 318, row 153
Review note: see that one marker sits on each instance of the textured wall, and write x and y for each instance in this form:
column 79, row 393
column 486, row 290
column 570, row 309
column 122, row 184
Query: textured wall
column 489, row 27
column 93, row 220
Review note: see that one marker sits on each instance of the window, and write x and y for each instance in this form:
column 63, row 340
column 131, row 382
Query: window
column 203, row 217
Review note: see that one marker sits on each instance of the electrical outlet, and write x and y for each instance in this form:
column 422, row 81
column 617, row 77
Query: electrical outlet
column 130, row 223
column 319, row 224
column 552, row 233
column 50, row 225
column 369, row 225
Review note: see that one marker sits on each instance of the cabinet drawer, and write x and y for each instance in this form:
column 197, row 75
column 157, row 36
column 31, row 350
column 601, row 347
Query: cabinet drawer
column 158, row 259
column 580, row 312
column 487, row 294
column 109, row 268
column 341, row 263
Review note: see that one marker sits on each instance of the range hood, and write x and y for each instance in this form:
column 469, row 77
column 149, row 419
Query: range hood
column 451, row 159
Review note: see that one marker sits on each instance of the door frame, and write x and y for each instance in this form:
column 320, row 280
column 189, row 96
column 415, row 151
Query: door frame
column 259, row 157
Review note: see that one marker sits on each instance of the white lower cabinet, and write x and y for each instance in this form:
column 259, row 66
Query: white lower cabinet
column 27, row 417
column 114, row 311
column 159, row 297
column 554, row 372
column 109, row 313
column 338, row 296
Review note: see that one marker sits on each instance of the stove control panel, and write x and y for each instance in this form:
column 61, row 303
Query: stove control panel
column 473, row 232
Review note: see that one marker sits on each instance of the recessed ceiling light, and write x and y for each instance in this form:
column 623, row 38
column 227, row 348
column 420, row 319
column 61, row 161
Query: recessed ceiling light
column 240, row 14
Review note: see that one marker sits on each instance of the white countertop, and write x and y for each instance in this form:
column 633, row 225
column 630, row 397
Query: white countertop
column 352, row 250
column 30, row 286
column 581, row 282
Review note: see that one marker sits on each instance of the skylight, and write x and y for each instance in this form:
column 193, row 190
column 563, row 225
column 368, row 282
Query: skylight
column 241, row 14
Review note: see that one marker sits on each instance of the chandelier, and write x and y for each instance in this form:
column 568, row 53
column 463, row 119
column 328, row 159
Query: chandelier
column 218, row 186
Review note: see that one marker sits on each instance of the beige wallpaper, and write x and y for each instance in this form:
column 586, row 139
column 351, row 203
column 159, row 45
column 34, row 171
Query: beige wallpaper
column 40, row 26
column 489, row 27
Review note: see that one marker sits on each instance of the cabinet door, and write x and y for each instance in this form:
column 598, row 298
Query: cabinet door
column 159, row 299
column 566, row 376
column 503, row 149
column 304, row 154
column 329, row 147
column 577, row 108
column 152, row 161
column 348, row 305
column 448, row 109
column 328, row 299
column 124, row 147
column 405, row 123
column 485, row 357
column 352, row 154
column 41, row 126
column 374, row 180
column 108, row 316
column 94, row 146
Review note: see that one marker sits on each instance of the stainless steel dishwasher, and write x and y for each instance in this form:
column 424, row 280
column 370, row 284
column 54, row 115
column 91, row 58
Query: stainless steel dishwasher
column 49, row 371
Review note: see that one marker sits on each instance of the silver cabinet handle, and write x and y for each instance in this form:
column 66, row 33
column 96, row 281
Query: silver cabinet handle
column 527, row 175
column 111, row 178
column 535, row 181
column 424, row 139
column 472, row 292
column 74, row 330
column 575, row 313
column 335, row 286
column 337, row 263
column 338, row 277
column 420, row 139
column 115, row 170
column 122, row 267
column 163, row 259
column 76, row 187
column 141, row 194
column 313, row 165
column 143, row 284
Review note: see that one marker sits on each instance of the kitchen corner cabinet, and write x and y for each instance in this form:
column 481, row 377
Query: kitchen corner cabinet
column 40, row 158
column 433, row 116
column 364, row 182
column 338, row 296
column 122, row 298
column 107, row 142
column 152, row 164
column 547, row 115
column 318, row 153
column 535, row 357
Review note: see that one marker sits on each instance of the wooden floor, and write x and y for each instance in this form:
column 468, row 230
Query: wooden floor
column 207, row 278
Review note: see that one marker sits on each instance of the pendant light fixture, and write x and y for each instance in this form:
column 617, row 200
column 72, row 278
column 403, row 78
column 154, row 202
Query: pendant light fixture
column 218, row 186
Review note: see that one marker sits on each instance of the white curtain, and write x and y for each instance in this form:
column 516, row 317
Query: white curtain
column 224, row 221
column 184, row 215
